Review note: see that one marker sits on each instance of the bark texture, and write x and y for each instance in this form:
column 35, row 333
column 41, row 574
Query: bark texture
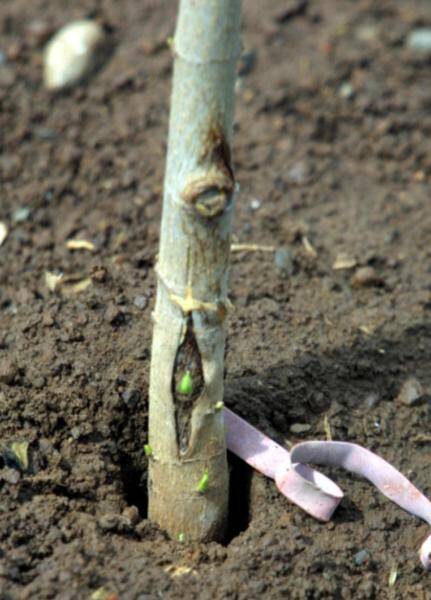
column 188, row 476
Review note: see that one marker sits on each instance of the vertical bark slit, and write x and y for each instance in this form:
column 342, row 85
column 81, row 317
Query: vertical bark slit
column 187, row 385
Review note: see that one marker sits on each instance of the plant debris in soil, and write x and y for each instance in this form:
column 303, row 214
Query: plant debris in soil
column 332, row 151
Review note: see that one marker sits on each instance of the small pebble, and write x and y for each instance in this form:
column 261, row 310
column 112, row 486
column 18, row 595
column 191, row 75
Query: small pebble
column 132, row 514
column 367, row 33
column 48, row 320
column 298, row 174
column 361, row 557
column 45, row 133
column 114, row 522
column 10, row 475
column 75, row 432
column 8, row 371
column 103, row 594
column 344, row 261
column 141, row 301
column 411, row 392
column 346, row 91
column 39, row 382
column 73, row 53
column 372, row 400
column 113, row 314
column 283, row 260
column 21, row 214
column 3, row 232
column 255, row 204
column 109, row 522
column 131, row 397
column 419, row 40
column 246, row 63
column 99, row 274
column 299, row 428
column 147, row 529
column 365, row 277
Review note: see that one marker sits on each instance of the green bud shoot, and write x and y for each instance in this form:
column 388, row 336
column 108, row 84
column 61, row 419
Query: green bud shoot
column 148, row 450
column 203, row 483
column 185, row 386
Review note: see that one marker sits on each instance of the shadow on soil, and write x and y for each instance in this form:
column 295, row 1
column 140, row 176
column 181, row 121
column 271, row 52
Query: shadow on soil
column 336, row 384
column 367, row 373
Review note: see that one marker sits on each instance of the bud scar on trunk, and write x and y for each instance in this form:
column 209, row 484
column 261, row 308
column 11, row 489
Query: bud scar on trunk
column 210, row 191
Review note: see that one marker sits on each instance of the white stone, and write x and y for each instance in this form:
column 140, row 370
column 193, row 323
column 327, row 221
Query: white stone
column 72, row 54
column 419, row 39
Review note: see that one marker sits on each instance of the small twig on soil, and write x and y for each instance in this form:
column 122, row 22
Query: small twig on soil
column 327, row 428
column 80, row 245
column 251, row 248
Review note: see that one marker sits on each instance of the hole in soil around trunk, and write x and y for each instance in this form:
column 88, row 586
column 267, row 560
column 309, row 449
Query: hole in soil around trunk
column 134, row 485
column 239, row 498
column 136, row 493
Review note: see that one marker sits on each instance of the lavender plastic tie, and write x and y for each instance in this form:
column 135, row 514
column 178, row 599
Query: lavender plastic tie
column 313, row 491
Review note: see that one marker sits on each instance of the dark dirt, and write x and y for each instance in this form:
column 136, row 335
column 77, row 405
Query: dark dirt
column 347, row 170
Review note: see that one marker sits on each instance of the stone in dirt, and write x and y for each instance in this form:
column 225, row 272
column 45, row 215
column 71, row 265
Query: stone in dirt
column 8, row 371
column 411, row 392
column 73, row 53
column 366, row 277
column 419, row 40
column 300, row 428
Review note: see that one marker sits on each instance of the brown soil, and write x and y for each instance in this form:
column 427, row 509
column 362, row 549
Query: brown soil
column 308, row 345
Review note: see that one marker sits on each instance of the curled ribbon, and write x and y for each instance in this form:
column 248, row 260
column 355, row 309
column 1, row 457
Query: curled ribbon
column 313, row 491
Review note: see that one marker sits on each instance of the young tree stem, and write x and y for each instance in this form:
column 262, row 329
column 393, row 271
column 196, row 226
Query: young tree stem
column 186, row 430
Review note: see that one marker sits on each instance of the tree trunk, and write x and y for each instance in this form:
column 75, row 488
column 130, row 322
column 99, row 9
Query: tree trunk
column 188, row 476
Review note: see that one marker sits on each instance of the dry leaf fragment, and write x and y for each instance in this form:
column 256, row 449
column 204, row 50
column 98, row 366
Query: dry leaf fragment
column 309, row 249
column 251, row 248
column 103, row 594
column 3, row 232
column 76, row 288
column 179, row 570
column 20, row 450
column 327, row 428
column 53, row 280
column 393, row 576
column 344, row 261
column 80, row 245
column 119, row 239
column 421, row 439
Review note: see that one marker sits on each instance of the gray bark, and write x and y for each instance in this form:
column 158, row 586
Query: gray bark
column 188, row 476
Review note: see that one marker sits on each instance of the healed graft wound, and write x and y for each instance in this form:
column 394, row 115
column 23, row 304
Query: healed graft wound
column 209, row 191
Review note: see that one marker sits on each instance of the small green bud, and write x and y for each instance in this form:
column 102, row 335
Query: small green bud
column 219, row 405
column 185, row 386
column 148, row 450
column 181, row 537
column 203, row 483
